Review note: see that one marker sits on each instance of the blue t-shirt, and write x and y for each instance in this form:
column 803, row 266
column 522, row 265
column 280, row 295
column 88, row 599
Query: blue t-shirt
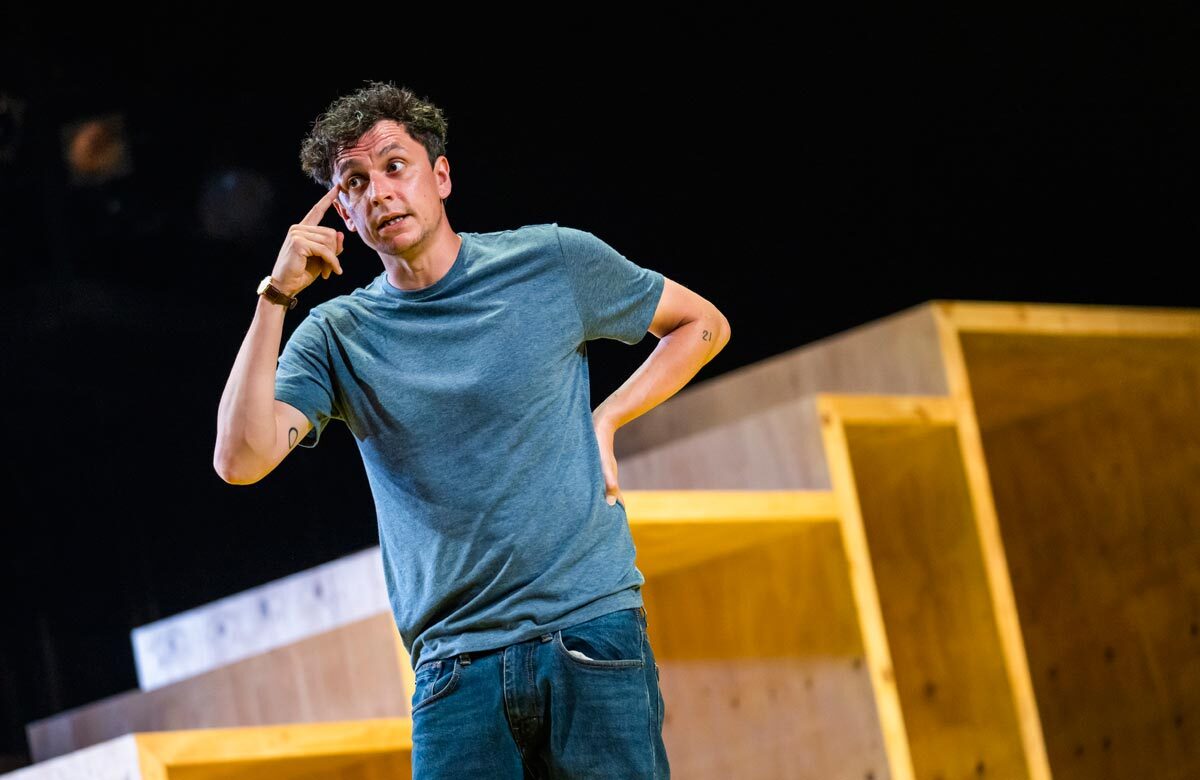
column 470, row 403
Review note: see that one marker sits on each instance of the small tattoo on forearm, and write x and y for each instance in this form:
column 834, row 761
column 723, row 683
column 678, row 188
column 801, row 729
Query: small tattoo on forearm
column 292, row 434
column 707, row 335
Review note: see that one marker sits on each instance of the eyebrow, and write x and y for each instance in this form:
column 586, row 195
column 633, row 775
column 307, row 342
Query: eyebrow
column 344, row 164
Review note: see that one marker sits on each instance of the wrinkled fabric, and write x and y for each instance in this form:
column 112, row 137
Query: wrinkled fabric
column 470, row 404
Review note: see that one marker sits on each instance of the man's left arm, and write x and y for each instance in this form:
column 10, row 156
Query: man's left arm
column 691, row 331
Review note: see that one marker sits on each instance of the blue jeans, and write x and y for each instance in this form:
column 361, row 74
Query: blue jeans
column 535, row 710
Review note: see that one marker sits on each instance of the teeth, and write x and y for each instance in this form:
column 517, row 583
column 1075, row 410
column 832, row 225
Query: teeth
column 391, row 221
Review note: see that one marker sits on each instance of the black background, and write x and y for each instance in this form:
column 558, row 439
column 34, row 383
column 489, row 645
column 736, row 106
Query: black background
column 806, row 176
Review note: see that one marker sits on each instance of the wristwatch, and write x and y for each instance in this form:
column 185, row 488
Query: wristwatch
column 274, row 294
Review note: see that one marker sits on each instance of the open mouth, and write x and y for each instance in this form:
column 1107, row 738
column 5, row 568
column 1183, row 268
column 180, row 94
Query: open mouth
column 392, row 223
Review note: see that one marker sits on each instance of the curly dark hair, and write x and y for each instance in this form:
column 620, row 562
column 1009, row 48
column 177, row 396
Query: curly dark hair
column 349, row 116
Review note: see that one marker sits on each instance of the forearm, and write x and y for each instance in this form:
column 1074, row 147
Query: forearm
column 246, row 414
column 678, row 357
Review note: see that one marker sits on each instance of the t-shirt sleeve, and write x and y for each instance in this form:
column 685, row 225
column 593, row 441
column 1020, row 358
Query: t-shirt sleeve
column 616, row 298
column 304, row 377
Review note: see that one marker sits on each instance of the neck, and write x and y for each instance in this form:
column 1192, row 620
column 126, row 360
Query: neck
column 423, row 264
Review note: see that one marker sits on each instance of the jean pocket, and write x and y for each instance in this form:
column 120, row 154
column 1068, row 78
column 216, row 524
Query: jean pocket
column 434, row 681
column 612, row 641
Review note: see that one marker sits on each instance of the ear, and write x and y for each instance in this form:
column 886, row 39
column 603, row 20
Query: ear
column 344, row 214
column 441, row 172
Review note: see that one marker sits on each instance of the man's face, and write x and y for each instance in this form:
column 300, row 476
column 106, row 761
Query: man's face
column 387, row 172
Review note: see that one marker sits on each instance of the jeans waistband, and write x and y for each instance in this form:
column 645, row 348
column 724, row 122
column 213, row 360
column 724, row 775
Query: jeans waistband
column 466, row 658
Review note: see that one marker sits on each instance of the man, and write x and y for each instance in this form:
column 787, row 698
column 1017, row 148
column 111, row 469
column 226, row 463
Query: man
column 462, row 372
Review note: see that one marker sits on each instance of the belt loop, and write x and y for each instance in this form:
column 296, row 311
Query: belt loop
column 465, row 659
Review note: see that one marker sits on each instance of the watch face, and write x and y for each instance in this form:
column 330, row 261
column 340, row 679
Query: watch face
column 262, row 286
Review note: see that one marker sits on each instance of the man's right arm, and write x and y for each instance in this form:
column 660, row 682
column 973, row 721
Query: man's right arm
column 255, row 431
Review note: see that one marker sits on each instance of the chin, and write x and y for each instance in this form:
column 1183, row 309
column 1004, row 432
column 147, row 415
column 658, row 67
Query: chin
column 394, row 247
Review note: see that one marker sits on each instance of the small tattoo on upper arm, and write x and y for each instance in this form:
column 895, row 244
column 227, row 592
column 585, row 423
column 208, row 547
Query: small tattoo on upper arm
column 707, row 335
column 292, row 434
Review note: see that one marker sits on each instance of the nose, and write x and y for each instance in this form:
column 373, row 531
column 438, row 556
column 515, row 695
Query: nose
column 378, row 188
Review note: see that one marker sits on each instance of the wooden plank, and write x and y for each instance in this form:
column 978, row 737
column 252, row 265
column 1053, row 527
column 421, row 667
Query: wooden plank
column 679, row 529
column 866, row 595
column 1069, row 319
column 352, row 672
column 283, row 752
column 987, row 523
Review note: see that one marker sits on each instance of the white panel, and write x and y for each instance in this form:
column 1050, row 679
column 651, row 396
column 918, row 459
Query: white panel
column 116, row 759
column 260, row 619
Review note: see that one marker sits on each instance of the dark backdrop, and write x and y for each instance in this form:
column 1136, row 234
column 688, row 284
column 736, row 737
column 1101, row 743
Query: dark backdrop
column 805, row 176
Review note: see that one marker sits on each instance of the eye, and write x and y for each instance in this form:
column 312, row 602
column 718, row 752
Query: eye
column 350, row 181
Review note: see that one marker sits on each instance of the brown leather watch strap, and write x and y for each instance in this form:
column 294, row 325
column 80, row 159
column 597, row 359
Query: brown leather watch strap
column 275, row 295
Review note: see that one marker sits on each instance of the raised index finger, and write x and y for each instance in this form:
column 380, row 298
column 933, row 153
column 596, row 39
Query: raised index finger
column 313, row 217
